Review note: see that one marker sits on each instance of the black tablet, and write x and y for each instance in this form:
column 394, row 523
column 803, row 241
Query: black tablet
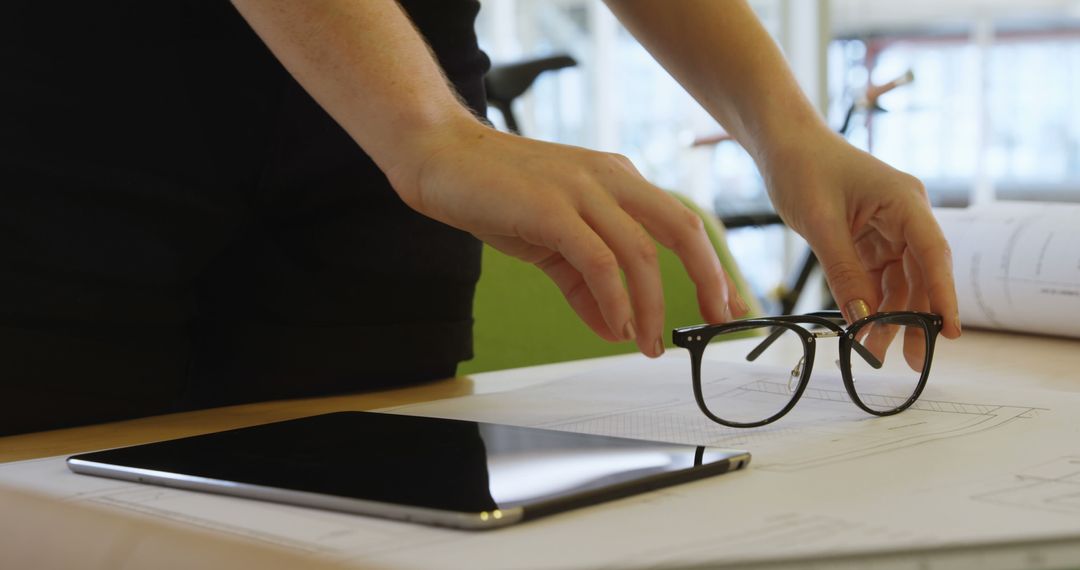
column 437, row 471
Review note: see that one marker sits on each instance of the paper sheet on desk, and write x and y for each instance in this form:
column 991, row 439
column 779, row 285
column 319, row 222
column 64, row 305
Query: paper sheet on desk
column 653, row 400
column 965, row 465
column 971, row 466
column 1017, row 265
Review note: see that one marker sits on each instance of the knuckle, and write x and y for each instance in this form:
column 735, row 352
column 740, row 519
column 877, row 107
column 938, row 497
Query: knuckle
column 548, row 262
column 843, row 273
column 946, row 250
column 692, row 222
column 576, row 183
column 601, row 262
column 620, row 161
column 616, row 157
column 577, row 292
column 645, row 250
column 689, row 227
column 916, row 186
column 938, row 287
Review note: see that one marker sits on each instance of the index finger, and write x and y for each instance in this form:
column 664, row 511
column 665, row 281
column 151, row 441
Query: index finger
column 681, row 230
column 931, row 251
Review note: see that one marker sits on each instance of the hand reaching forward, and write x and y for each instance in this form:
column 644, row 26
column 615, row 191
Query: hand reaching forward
column 580, row 216
column 871, row 227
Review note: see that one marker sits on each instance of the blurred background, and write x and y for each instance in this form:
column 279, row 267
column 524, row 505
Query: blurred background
column 984, row 109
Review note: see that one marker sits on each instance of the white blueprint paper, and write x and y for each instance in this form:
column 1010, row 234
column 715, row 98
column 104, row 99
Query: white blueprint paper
column 1017, row 265
column 969, row 465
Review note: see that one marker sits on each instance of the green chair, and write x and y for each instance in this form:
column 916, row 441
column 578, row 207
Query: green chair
column 521, row 318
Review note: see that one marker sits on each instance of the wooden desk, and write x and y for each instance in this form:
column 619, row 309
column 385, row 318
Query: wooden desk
column 157, row 428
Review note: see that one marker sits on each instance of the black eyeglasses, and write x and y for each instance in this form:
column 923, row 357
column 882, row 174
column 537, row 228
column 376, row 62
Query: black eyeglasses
column 739, row 388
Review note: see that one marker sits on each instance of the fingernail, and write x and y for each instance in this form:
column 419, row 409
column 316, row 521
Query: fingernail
column 743, row 307
column 658, row 348
column 957, row 317
column 628, row 330
column 857, row 309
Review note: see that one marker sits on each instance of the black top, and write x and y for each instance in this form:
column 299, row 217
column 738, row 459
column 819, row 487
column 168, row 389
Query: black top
column 182, row 226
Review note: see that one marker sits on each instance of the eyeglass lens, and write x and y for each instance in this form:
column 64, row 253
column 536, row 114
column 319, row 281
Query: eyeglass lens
column 899, row 343
column 738, row 390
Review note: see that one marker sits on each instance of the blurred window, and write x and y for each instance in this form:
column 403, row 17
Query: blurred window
column 1020, row 94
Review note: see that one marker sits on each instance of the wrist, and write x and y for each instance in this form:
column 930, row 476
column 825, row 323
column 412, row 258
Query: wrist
column 420, row 143
column 780, row 142
column 809, row 160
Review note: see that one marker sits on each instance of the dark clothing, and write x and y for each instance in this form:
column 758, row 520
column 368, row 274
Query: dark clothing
column 182, row 226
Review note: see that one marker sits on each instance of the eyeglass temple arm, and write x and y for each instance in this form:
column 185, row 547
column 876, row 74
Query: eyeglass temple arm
column 777, row 331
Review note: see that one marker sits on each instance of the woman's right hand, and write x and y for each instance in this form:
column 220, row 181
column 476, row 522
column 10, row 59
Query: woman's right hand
column 579, row 215
column 576, row 214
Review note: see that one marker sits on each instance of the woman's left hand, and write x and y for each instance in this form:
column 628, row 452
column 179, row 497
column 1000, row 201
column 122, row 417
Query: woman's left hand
column 870, row 226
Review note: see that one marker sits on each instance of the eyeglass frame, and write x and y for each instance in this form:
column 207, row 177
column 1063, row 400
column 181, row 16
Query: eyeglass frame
column 696, row 338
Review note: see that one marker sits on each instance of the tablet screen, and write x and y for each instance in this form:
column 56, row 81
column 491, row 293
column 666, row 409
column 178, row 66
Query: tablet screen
column 356, row 460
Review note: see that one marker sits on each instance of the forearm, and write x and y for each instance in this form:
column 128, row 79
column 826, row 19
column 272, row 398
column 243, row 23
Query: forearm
column 366, row 65
column 718, row 51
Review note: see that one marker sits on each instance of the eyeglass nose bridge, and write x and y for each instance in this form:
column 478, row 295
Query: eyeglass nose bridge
column 868, row 356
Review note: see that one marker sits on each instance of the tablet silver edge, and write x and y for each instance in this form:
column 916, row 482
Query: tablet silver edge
column 735, row 461
column 473, row 521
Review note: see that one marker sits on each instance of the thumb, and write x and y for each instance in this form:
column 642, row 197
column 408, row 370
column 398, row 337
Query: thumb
column 850, row 284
